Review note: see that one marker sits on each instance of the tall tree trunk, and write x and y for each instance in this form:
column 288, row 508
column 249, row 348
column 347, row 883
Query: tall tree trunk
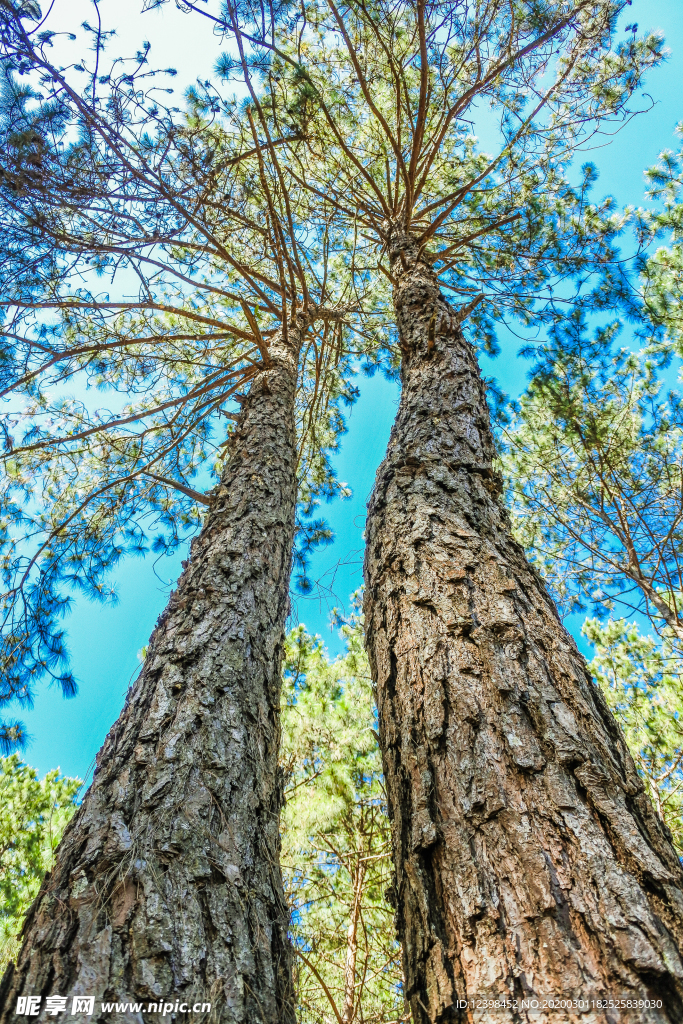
column 167, row 885
column 529, row 860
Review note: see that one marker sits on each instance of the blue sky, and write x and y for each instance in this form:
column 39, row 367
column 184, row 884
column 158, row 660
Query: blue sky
column 105, row 641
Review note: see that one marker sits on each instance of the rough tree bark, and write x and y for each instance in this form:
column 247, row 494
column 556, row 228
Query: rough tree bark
column 529, row 860
column 167, row 882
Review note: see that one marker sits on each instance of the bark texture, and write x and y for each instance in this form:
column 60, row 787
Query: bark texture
column 167, row 882
column 529, row 860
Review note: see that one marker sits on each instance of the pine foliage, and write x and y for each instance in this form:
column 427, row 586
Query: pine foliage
column 594, row 461
column 643, row 683
column 389, row 99
column 33, row 815
column 662, row 271
column 594, row 457
column 336, row 838
column 148, row 254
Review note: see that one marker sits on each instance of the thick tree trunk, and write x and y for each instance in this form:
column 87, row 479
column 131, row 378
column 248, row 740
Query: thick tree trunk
column 529, row 860
column 167, row 883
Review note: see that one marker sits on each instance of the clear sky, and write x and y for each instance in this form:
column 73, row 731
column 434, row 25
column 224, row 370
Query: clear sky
column 105, row 641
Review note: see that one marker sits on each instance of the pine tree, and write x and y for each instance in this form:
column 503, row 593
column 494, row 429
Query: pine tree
column 336, row 838
column 662, row 272
column 593, row 455
column 167, row 882
column 199, row 218
column 33, row 814
column 529, row 860
column 593, row 464
column 641, row 680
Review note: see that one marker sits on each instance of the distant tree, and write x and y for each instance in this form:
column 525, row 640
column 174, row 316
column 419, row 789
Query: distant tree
column 33, row 814
column 594, row 463
column 593, row 458
column 643, row 683
column 336, row 845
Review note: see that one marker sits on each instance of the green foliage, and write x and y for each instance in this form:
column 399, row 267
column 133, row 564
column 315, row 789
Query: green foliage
column 643, row 683
column 382, row 100
column 33, row 815
column 662, row 271
column 336, row 852
column 594, row 456
column 594, row 462
column 148, row 255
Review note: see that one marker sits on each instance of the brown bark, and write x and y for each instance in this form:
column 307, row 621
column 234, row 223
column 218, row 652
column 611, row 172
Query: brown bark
column 529, row 860
column 167, row 882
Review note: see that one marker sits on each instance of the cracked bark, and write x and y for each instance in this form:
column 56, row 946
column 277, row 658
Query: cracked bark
column 529, row 860
column 167, row 882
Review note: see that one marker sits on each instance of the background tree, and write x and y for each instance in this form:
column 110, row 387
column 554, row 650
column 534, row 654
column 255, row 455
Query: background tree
column 184, row 806
column 662, row 271
column 642, row 683
column 33, row 814
column 595, row 469
column 593, row 457
column 336, row 838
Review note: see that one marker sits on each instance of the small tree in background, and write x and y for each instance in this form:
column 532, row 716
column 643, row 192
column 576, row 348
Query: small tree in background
column 594, row 463
column 33, row 814
column 336, row 851
column 643, row 683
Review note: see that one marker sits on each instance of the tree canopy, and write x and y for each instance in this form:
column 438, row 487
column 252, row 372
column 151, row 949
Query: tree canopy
column 149, row 254
column 149, row 251
column 594, row 457
column 393, row 97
